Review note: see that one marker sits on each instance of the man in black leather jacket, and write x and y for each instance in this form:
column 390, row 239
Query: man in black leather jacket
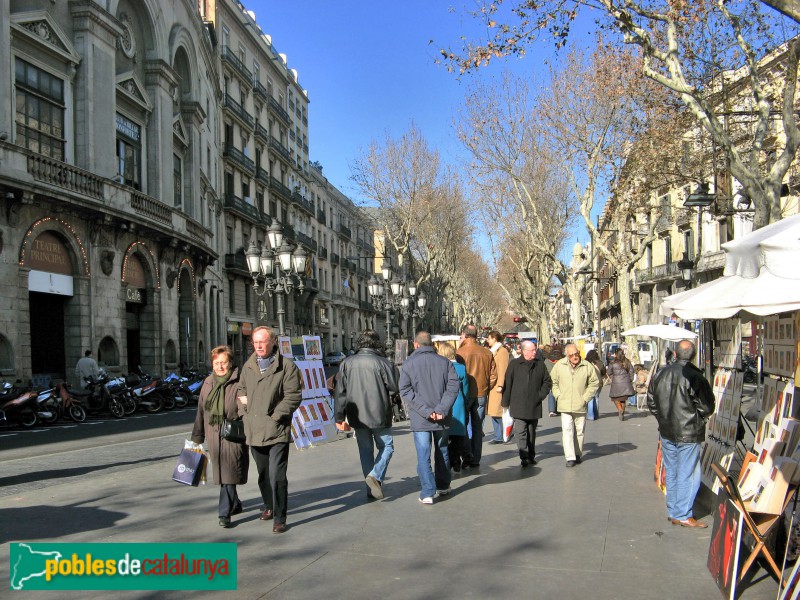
column 681, row 399
column 365, row 385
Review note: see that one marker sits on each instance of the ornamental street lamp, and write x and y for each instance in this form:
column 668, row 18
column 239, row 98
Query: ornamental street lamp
column 279, row 269
column 385, row 295
column 686, row 266
column 411, row 306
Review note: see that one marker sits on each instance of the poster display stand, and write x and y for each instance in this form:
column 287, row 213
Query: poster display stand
column 312, row 422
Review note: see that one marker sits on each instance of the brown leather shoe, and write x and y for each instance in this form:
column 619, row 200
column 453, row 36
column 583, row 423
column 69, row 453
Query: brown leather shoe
column 690, row 522
column 266, row 515
column 279, row 528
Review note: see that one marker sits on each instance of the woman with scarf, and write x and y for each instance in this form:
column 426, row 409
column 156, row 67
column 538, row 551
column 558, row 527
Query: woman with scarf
column 229, row 460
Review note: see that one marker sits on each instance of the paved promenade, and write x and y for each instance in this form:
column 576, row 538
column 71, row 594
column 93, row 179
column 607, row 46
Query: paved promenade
column 594, row 532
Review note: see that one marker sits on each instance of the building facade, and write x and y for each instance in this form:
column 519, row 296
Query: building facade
column 144, row 145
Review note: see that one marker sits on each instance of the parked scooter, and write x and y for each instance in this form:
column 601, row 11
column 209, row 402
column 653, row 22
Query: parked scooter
column 98, row 398
column 144, row 393
column 750, row 366
column 19, row 406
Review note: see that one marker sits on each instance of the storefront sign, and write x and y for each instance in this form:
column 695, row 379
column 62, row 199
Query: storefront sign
column 48, row 253
column 247, row 328
column 134, row 295
column 50, row 283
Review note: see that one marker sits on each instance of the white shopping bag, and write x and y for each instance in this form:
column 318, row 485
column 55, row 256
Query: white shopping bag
column 508, row 424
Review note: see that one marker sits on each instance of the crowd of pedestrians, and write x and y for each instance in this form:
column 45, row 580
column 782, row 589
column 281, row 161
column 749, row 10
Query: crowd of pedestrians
column 447, row 394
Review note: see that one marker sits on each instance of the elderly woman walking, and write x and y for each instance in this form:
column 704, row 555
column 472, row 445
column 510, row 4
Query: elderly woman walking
column 621, row 373
column 229, row 460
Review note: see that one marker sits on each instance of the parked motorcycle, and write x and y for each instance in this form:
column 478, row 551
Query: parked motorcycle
column 750, row 366
column 98, row 396
column 20, row 408
column 144, row 393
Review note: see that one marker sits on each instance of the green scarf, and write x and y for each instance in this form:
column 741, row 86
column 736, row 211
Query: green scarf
column 215, row 401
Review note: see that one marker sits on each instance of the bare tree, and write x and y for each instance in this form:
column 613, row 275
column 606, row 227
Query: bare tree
column 526, row 207
column 719, row 58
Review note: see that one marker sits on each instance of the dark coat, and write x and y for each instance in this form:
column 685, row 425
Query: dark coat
column 229, row 461
column 272, row 398
column 527, row 384
column 621, row 380
column 428, row 384
column 364, row 388
column 681, row 399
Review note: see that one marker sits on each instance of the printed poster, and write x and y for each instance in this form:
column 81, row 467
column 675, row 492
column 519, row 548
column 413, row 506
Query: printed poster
column 285, row 346
column 312, row 346
column 726, row 540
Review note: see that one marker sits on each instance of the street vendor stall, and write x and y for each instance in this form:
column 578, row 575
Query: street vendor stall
column 761, row 281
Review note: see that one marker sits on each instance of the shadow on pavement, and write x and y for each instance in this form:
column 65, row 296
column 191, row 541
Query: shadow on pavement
column 53, row 522
column 73, row 472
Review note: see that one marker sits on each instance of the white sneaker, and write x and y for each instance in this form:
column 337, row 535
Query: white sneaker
column 427, row 500
column 443, row 492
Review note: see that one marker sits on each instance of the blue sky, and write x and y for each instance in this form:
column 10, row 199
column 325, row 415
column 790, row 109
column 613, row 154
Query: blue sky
column 369, row 69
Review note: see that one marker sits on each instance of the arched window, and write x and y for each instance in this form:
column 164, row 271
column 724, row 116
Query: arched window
column 108, row 353
column 170, row 353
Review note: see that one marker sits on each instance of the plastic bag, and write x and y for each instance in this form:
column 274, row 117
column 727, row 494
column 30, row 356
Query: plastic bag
column 508, row 425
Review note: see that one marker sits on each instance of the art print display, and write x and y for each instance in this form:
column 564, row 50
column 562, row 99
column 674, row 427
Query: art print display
column 312, row 346
column 723, row 553
column 285, row 346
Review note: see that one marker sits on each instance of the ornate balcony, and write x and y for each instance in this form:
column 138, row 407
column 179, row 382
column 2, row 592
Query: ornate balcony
column 239, row 158
column 237, row 262
column 263, row 176
column 279, row 111
column 321, row 216
column 345, row 231
column 302, row 203
column 260, row 90
column 334, row 258
column 238, row 111
column 281, row 190
column 323, row 253
column 261, row 132
column 280, row 149
column 229, row 57
column 658, row 273
column 243, row 209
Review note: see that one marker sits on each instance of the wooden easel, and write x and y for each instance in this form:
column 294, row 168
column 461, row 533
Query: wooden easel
column 759, row 525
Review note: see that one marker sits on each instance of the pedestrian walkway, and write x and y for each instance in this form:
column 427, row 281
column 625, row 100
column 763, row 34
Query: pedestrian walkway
column 593, row 532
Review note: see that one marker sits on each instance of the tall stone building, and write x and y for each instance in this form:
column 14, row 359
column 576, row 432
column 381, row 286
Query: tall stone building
column 144, row 144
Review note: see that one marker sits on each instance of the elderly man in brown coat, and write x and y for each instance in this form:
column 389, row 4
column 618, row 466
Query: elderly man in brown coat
column 270, row 389
column 482, row 376
column 494, row 408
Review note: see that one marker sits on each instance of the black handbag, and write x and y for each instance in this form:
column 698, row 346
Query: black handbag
column 233, row 431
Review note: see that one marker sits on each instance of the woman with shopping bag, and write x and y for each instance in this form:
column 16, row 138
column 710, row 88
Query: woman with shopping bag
column 217, row 413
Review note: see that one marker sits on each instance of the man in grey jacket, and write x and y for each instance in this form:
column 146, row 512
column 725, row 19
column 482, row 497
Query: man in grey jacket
column 429, row 385
column 364, row 388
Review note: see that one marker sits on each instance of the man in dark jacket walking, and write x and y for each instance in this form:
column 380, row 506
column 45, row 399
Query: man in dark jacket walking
column 429, row 385
column 364, row 387
column 681, row 400
column 526, row 385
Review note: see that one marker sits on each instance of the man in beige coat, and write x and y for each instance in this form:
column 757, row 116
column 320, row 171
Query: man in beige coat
column 270, row 389
column 575, row 382
column 493, row 408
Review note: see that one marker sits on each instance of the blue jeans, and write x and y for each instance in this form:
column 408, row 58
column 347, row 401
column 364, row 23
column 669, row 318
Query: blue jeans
column 477, row 412
column 370, row 439
column 682, row 462
column 497, row 429
column 551, row 403
column 439, row 478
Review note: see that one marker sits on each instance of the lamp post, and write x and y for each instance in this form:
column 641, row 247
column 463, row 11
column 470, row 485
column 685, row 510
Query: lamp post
column 276, row 269
column 385, row 296
column 686, row 266
column 413, row 306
